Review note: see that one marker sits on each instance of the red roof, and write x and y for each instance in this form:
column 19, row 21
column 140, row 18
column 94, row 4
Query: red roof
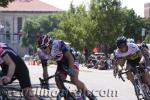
column 29, row 6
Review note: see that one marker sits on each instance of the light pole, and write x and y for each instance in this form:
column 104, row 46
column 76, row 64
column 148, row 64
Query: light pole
column 143, row 33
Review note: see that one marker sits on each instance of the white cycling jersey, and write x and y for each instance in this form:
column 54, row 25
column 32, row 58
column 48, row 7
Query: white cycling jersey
column 131, row 54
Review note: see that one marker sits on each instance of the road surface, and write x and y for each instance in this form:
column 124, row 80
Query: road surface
column 100, row 82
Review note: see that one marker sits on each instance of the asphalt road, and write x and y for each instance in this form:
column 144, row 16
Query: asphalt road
column 101, row 83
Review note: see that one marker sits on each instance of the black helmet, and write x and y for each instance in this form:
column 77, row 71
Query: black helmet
column 143, row 45
column 121, row 40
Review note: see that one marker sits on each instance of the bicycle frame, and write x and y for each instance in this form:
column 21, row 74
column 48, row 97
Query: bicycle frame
column 64, row 92
column 137, row 83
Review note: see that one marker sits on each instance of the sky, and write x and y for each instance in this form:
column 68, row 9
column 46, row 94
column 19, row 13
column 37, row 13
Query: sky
column 137, row 5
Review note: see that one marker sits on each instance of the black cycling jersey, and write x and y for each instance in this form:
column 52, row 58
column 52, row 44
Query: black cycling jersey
column 21, row 70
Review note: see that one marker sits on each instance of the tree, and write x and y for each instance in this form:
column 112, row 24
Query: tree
column 28, row 38
column 108, row 15
column 100, row 25
column 42, row 24
column 4, row 3
column 147, row 39
column 78, row 27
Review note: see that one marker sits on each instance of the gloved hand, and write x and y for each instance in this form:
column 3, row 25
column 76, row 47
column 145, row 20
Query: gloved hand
column 5, row 79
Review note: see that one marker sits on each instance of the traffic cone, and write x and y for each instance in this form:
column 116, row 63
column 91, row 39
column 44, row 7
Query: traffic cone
column 33, row 62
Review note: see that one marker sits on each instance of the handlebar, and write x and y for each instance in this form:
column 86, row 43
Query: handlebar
column 43, row 81
column 120, row 75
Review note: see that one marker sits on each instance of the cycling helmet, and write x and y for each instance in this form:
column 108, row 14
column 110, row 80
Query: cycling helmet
column 130, row 40
column 45, row 41
column 143, row 45
column 121, row 40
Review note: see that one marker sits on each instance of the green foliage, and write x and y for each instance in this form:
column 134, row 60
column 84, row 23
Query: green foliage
column 100, row 25
column 4, row 3
column 42, row 24
column 78, row 27
column 147, row 39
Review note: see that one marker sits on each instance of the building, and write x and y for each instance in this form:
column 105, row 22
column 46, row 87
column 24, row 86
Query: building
column 13, row 17
column 147, row 10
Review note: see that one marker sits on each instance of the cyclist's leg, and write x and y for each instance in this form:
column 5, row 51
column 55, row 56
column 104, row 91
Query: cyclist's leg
column 80, row 85
column 28, row 94
column 129, row 74
column 22, row 74
column 44, row 66
column 76, row 81
column 146, row 78
column 62, row 76
column 59, row 78
column 1, row 83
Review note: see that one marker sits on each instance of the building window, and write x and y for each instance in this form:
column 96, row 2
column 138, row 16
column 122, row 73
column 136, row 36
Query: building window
column 19, row 24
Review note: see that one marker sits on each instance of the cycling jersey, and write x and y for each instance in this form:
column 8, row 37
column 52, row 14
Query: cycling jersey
column 131, row 55
column 59, row 48
column 21, row 70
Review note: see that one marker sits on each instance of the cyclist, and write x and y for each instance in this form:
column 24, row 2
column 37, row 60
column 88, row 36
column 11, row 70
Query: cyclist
column 13, row 66
column 145, row 51
column 60, row 52
column 131, row 54
column 43, row 57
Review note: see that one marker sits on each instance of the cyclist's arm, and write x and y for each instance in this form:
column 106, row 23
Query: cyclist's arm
column 121, row 61
column 11, row 65
column 142, row 60
column 67, row 54
column 70, row 58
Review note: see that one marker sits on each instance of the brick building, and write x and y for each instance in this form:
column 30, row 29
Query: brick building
column 147, row 10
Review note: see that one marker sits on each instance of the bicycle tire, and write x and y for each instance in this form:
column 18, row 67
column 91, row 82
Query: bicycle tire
column 67, row 95
column 139, row 90
column 146, row 91
column 136, row 89
column 16, row 88
column 10, row 93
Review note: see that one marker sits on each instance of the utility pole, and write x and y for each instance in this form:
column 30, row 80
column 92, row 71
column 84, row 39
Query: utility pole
column 143, row 33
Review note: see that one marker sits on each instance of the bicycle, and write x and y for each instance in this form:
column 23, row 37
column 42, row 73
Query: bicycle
column 64, row 93
column 142, row 91
column 10, row 93
column 13, row 91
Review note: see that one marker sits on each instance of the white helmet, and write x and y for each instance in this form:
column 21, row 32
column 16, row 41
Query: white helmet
column 130, row 40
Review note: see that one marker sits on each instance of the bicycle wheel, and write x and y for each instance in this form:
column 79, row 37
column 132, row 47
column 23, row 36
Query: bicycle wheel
column 146, row 91
column 11, row 93
column 137, row 89
column 44, row 93
column 65, row 94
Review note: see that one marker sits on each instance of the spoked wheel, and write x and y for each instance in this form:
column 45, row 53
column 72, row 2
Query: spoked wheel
column 146, row 91
column 65, row 94
column 137, row 89
column 141, row 90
